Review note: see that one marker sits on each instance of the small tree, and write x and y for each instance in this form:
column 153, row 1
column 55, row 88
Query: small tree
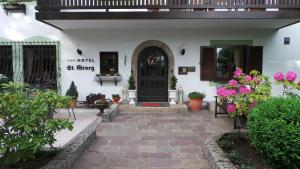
column 173, row 82
column 25, row 126
column 131, row 82
column 72, row 91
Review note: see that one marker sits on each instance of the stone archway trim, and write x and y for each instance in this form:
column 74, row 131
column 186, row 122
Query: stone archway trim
column 153, row 43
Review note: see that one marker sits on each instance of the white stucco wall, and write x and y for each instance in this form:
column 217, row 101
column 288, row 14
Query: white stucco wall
column 277, row 56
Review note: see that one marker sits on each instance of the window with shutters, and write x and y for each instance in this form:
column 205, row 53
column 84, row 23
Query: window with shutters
column 229, row 58
column 218, row 63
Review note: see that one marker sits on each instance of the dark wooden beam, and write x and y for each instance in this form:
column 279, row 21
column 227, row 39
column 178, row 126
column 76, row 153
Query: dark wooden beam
column 169, row 15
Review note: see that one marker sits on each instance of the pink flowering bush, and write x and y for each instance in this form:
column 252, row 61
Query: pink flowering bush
column 244, row 91
column 288, row 82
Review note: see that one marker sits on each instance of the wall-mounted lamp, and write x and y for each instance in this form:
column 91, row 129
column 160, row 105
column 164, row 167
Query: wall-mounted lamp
column 182, row 49
column 79, row 51
column 287, row 40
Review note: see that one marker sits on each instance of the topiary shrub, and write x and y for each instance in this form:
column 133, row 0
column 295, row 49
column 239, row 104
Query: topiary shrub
column 274, row 130
column 131, row 82
column 72, row 91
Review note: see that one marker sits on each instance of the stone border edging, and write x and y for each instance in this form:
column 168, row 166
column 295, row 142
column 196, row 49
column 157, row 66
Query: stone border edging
column 215, row 155
column 75, row 148
column 111, row 113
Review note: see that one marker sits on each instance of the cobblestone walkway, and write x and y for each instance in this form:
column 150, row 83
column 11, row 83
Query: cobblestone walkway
column 153, row 141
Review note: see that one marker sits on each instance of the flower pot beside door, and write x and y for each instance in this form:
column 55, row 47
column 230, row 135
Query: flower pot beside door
column 196, row 99
column 131, row 90
column 72, row 92
column 172, row 96
column 173, row 91
column 132, row 96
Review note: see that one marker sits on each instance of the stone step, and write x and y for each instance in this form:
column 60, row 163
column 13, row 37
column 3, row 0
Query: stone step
column 135, row 109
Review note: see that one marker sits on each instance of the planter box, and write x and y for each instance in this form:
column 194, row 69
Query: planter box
column 215, row 155
column 14, row 8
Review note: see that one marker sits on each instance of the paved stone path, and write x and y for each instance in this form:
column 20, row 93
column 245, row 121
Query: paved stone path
column 153, row 141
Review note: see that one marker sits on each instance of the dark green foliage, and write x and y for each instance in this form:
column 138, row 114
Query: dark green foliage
column 197, row 95
column 3, row 80
column 131, row 83
column 72, row 91
column 173, row 82
column 25, row 127
column 274, row 129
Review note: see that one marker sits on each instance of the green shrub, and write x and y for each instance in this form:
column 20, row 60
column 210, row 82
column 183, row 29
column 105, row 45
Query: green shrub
column 25, row 126
column 274, row 129
column 173, row 82
column 72, row 91
column 196, row 95
column 131, row 82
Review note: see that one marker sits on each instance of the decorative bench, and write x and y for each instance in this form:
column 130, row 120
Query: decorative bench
column 220, row 108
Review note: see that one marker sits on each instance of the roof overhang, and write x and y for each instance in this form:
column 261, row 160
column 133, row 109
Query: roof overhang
column 170, row 20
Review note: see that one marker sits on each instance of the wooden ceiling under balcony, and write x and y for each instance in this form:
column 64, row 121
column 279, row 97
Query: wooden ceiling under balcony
column 67, row 10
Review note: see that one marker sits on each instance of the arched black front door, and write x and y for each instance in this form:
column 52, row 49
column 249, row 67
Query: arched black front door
column 152, row 75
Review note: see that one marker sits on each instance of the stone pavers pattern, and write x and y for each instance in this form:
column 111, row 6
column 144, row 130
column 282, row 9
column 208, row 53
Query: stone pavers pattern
column 153, row 141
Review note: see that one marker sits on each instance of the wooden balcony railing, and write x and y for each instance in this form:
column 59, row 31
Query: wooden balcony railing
column 54, row 5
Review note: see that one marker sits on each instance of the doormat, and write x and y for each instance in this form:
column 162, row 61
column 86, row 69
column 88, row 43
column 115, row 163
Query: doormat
column 150, row 104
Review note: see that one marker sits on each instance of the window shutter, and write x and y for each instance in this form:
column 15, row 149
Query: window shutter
column 207, row 63
column 254, row 59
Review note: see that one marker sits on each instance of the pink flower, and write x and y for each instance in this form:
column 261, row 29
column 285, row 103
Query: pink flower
column 291, row 76
column 257, row 81
column 231, row 108
column 278, row 76
column 232, row 92
column 248, row 78
column 238, row 72
column 233, row 83
column 244, row 90
column 252, row 105
column 223, row 92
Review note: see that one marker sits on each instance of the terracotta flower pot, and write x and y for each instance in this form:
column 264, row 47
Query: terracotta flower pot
column 195, row 104
column 73, row 103
column 116, row 100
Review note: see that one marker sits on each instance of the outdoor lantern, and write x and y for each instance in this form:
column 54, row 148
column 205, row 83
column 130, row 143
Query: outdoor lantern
column 287, row 40
column 79, row 51
column 182, row 49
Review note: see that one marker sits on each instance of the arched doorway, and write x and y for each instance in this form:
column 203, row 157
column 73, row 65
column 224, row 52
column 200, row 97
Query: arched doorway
column 152, row 75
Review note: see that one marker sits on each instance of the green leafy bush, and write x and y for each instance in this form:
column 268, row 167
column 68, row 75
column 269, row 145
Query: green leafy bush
column 274, row 129
column 25, row 126
column 196, row 95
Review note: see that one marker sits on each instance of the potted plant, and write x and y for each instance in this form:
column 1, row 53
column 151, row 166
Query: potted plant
column 196, row 99
column 116, row 98
column 173, row 91
column 72, row 92
column 131, row 89
column 101, row 104
column 14, row 5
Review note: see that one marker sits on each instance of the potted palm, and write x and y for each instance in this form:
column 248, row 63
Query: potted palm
column 196, row 99
column 72, row 92
column 131, row 90
column 173, row 91
column 116, row 98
